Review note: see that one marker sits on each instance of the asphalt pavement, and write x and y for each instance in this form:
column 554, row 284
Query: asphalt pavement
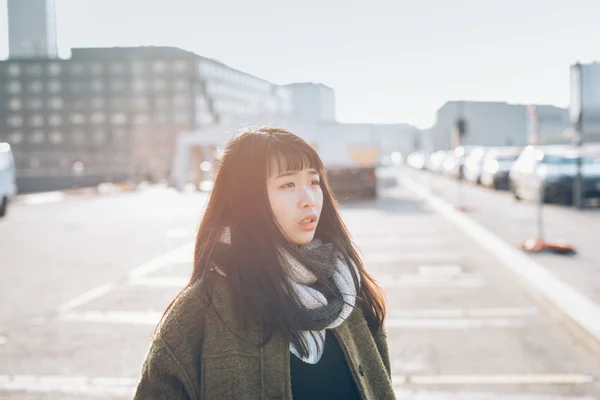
column 86, row 279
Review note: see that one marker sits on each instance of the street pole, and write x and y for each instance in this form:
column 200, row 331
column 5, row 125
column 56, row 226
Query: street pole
column 576, row 111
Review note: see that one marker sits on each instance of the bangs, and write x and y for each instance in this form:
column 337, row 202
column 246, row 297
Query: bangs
column 285, row 156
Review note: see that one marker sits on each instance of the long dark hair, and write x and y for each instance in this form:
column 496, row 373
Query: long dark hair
column 254, row 271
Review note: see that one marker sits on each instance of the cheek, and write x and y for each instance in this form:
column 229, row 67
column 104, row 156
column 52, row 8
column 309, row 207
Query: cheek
column 280, row 206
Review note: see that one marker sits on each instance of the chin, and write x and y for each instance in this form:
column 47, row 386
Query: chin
column 303, row 239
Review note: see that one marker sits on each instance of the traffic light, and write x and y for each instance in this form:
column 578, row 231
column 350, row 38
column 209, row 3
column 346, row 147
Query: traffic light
column 461, row 126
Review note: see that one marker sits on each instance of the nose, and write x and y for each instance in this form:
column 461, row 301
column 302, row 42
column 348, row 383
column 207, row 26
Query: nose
column 307, row 198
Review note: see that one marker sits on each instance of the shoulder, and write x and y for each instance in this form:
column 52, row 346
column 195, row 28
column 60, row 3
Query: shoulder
column 182, row 326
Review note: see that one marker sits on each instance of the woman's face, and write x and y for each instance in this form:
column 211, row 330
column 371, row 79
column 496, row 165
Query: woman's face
column 296, row 199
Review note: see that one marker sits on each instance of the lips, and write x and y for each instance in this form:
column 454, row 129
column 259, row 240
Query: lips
column 309, row 219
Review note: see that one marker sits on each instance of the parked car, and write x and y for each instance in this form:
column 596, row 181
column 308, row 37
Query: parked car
column 417, row 159
column 473, row 165
column 496, row 165
column 8, row 186
column 436, row 160
column 555, row 167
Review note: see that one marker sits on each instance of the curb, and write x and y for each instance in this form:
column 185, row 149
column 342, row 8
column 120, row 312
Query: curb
column 579, row 314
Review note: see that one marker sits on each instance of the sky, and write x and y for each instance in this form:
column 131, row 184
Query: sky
column 388, row 61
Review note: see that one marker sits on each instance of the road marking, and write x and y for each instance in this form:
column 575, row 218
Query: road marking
column 160, row 281
column 576, row 307
column 405, row 394
column 440, row 270
column 502, row 312
column 42, row 198
column 420, row 281
column 122, row 386
column 114, row 317
column 182, row 254
column 516, row 379
column 386, row 258
column 87, row 297
column 453, row 323
column 80, row 385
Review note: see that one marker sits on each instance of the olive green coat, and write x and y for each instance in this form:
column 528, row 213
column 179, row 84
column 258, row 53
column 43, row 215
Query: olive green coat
column 194, row 355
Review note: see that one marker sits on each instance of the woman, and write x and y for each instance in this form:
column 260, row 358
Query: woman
column 279, row 304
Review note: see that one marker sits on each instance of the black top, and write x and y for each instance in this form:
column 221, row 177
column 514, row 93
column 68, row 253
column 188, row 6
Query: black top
column 329, row 379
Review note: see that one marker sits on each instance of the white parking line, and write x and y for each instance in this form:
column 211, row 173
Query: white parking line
column 182, row 254
column 404, row 394
column 421, row 281
column 160, row 281
column 42, row 198
column 501, row 312
column 516, row 379
column 114, row 317
column 453, row 323
column 390, row 258
column 87, row 297
column 79, row 385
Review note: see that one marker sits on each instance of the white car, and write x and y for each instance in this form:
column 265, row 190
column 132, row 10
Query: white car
column 552, row 170
column 8, row 186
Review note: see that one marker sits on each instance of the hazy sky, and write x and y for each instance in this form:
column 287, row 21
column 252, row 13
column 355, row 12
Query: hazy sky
column 389, row 61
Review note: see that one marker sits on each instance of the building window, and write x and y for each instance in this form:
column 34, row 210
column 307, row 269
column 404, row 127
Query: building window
column 159, row 67
column 138, row 67
column 140, row 119
column 34, row 70
column 182, row 118
column 119, row 135
column 34, row 162
column 118, row 104
column 97, row 103
column 54, row 69
column 36, row 120
column 97, row 86
column 54, row 120
column 35, row 87
column 139, row 85
column 180, row 66
column 34, row 103
column 181, row 101
column 75, row 87
column 77, row 118
column 54, row 86
column 15, row 104
column 181, row 84
column 140, row 103
column 161, row 102
column 78, row 137
column 117, row 68
column 55, row 103
column 76, row 69
column 160, row 118
column 13, row 69
column 97, row 118
column 36, row 137
column 118, row 85
column 96, row 68
column 14, row 87
column 15, row 121
column 99, row 136
column 56, row 137
column 119, row 119
column 160, row 84
column 15, row 137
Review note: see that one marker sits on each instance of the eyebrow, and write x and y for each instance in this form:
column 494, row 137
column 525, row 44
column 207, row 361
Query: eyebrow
column 290, row 173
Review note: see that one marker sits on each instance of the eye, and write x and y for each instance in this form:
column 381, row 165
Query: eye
column 316, row 182
column 288, row 185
